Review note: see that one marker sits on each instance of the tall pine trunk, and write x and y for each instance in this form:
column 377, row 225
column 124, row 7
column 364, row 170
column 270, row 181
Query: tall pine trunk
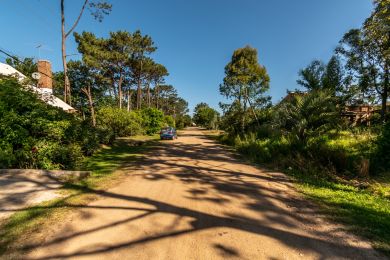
column 120, row 90
column 148, row 95
column 139, row 94
column 157, row 93
column 139, row 89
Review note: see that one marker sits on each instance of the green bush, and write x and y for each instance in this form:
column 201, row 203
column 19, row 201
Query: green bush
column 36, row 135
column 206, row 116
column 381, row 158
column 183, row 121
column 153, row 120
column 119, row 122
column 169, row 121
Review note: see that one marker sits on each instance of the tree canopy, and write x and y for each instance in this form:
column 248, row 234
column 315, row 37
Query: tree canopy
column 245, row 83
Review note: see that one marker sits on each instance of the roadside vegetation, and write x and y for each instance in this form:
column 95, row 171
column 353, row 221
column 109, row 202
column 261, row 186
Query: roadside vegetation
column 205, row 116
column 117, row 91
column 340, row 162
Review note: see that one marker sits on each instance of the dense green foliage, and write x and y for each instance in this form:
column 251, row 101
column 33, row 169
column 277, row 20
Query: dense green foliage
column 36, row 135
column 184, row 121
column 306, row 115
column 382, row 155
column 153, row 120
column 27, row 66
column 119, row 121
column 206, row 116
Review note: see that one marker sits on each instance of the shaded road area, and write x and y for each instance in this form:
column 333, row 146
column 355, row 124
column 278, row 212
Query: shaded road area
column 22, row 188
column 194, row 199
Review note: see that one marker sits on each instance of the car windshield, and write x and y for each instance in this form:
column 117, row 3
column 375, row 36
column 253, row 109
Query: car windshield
column 167, row 129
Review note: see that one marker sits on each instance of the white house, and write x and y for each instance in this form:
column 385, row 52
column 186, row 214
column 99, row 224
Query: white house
column 44, row 89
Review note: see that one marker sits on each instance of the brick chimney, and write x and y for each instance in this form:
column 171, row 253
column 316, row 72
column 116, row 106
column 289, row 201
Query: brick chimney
column 45, row 82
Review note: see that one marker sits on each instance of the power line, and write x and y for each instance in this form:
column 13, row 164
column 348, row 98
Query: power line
column 18, row 60
column 9, row 55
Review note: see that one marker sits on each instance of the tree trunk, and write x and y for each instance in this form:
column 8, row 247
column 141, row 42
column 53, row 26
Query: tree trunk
column 63, row 50
column 157, row 95
column 120, row 89
column 139, row 90
column 128, row 100
column 67, row 91
column 385, row 94
column 148, row 95
column 139, row 94
column 113, row 87
column 88, row 93
column 253, row 111
column 242, row 111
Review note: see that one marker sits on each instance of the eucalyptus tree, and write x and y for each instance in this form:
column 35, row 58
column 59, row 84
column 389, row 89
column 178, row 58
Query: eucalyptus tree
column 98, row 10
column 245, row 83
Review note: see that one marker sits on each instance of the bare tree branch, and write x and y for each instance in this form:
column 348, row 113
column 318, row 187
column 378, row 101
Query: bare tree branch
column 78, row 19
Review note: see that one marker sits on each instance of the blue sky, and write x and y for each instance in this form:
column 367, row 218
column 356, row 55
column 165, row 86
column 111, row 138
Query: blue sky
column 196, row 38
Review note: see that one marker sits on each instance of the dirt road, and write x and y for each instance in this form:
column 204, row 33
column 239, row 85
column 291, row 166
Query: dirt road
column 22, row 188
column 193, row 199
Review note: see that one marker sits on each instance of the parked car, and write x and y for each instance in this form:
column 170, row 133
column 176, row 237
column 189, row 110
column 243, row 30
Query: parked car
column 168, row 133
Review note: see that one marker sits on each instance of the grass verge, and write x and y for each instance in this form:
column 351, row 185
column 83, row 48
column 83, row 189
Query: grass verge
column 26, row 224
column 365, row 209
column 363, row 212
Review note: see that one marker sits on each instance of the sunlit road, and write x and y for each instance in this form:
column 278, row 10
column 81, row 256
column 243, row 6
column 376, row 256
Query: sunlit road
column 193, row 199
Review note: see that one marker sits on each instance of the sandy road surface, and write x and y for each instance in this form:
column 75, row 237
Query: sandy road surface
column 192, row 199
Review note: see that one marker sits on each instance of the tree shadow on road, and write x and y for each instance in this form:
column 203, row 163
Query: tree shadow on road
column 264, row 193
